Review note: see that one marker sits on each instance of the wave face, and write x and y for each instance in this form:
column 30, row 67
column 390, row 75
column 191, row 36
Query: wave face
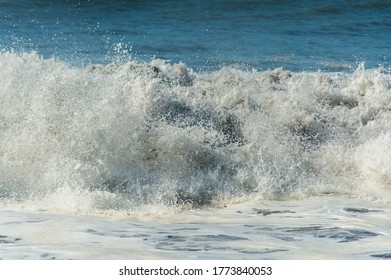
column 123, row 136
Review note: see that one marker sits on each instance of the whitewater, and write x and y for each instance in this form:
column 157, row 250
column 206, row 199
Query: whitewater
column 156, row 160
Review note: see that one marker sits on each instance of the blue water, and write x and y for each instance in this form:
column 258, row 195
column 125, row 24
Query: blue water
column 330, row 35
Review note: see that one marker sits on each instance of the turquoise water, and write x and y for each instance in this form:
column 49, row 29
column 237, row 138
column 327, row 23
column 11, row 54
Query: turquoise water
column 297, row 35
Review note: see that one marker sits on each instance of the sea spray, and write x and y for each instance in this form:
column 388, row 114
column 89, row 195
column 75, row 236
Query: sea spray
column 125, row 135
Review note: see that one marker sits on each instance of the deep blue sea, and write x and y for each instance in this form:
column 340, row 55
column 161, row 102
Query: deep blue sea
column 296, row 35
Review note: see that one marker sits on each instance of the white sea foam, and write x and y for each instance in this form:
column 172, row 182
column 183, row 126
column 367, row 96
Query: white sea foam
column 120, row 137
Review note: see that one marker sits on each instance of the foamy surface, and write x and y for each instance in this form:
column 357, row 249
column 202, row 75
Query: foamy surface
column 82, row 146
column 120, row 136
column 316, row 228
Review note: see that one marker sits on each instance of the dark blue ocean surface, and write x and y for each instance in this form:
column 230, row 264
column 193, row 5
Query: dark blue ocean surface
column 297, row 35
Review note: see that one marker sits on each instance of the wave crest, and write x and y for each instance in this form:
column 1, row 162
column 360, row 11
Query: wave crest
column 133, row 134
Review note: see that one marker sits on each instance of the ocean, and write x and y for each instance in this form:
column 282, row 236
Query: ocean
column 195, row 129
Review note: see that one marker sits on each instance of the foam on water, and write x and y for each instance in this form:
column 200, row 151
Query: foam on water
column 125, row 136
column 314, row 228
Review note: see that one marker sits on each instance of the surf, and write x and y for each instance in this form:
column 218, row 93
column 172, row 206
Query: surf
column 125, row 135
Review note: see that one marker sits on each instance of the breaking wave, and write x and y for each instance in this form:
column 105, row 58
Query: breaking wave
column 122, row 136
